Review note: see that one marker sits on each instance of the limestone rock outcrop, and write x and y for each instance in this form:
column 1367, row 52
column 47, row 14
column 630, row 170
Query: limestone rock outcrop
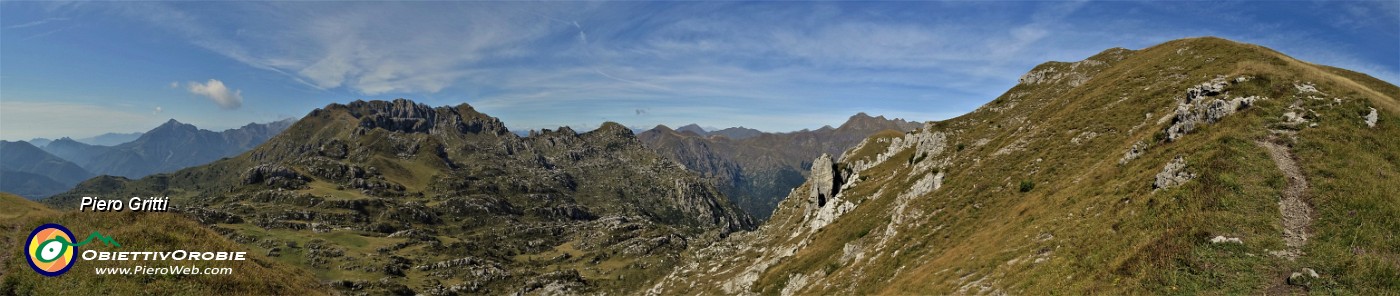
column 1138, row 148
column 275, row 176
column 1200, row 107
column 1172, row 175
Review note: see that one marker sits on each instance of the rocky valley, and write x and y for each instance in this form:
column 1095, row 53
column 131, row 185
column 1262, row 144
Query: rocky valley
column 757, row 169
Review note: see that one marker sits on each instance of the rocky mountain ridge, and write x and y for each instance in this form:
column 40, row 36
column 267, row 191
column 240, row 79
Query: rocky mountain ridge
column 399, row 197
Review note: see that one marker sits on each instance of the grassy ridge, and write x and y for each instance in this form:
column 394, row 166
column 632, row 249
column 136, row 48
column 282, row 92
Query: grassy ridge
column 1087, row 224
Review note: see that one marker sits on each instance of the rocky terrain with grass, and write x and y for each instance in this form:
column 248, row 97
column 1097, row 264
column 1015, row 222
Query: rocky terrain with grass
column 396, row 197
column 1198, row 166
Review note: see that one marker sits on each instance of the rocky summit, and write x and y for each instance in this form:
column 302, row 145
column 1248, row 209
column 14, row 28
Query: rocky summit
column 396, row 197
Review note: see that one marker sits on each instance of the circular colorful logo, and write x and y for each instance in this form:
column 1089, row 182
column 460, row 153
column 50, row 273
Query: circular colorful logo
column 50, row 249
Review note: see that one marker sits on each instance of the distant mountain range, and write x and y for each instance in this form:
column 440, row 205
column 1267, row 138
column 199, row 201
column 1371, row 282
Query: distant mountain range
column 28, row 171
column 37, row 171
column 107, row 139
column 733, row 133
column 168, row 147
column 756, row 169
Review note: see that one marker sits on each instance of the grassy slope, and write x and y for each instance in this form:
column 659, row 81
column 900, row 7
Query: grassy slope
column 1091, row 225
column 138, row 232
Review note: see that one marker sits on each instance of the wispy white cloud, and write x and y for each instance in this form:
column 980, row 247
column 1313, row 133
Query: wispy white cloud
column 368, row 48
column 518, row 59
column 215, row 91
column 37, row 23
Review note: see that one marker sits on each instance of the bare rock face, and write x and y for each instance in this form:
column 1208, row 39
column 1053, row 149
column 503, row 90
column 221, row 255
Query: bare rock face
column 825, row 180
column 823, row 202
column 1372, row 118
column 1174, row 174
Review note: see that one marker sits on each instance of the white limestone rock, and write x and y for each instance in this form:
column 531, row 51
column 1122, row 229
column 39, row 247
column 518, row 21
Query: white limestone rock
column 1371, row 118
column 1133, row 152
column 1173, row 174
column 1220, row 239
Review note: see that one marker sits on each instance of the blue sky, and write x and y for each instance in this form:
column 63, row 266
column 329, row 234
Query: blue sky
column 81, row 69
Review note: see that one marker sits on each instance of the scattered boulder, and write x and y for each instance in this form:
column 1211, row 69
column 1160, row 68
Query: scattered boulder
column 1306, row 87
column 1372, row 118
column 1293, row 118
column 1220, row 239
column 1303, row 278
column 1133, row 152
column 1174, row 174
column 1083, row 137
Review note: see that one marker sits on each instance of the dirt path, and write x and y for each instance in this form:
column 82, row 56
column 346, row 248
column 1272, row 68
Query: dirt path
column 1297, row 214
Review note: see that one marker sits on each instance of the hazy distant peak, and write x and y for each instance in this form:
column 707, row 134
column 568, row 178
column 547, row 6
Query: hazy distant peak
column 172, row 123
column 694, row 128
column 171, row 126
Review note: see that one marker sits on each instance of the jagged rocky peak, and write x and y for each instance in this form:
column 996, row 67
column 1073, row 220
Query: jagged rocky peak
column 402, row 115
column 864, row 122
